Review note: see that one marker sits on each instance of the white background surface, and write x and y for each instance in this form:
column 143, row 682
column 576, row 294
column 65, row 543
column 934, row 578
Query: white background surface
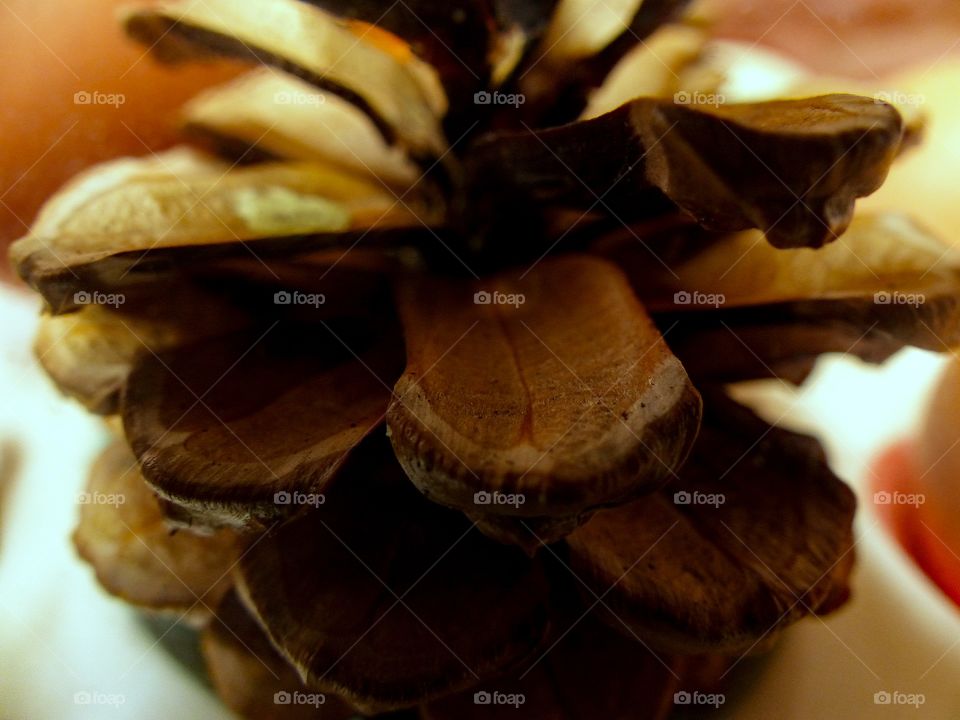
column 61, row 635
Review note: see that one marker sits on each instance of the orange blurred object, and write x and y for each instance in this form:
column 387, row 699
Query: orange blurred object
column 77, row 92
column 917, row 486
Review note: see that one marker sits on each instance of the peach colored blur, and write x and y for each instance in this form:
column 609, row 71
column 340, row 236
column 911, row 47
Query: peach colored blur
column 51, row 49
column 867, row 39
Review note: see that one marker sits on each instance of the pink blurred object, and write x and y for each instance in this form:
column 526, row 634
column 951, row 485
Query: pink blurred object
column 896, row 479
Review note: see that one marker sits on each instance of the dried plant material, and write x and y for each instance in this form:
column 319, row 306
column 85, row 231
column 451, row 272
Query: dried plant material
column 128, row 221
column 731, row 72
column 685, row 63
column 402, row 92
column 248, row 428
column 384, row 611
column 923, row 183
column 233, row 269
column 726, row 71
column 312, row 286
column 772, row 347
column 252, row 678
column 885, row 284
column 881, row 252
column 569, row 37
column 790, row 168
column 89, row 354
column 592, row 672
column 529, row 533
column 452, row 40
column 287, row 117
column 584, row 42
column 520, row 23
column 123, row 534
column 566, row 396
column 649, row 70
column 754, row 534
column 58, row 210
column 139, row 204
column 548, row 404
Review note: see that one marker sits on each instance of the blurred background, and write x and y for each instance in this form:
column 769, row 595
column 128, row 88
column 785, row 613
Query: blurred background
column 888, row 429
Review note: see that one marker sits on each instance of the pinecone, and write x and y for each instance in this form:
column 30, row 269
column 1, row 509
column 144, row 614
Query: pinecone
column 423, row 346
